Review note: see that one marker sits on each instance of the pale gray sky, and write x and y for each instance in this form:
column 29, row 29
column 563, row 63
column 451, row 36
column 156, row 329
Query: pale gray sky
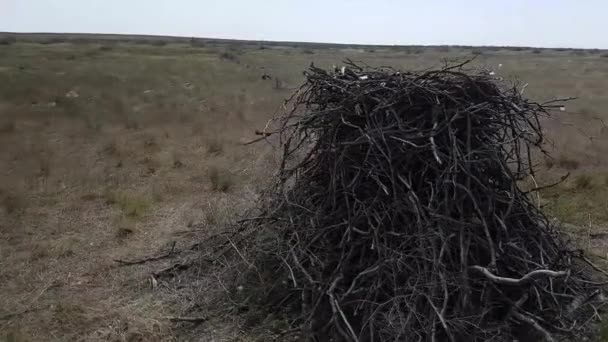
column 546, row 23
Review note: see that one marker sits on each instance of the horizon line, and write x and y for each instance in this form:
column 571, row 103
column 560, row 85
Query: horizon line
column 286, row 41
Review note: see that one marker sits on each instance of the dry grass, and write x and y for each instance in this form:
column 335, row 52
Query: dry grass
column 221, row 179
column 151, row 147
column 567, row 163
column 583, row 182
column 579, row 200
column 214, row 145
column 7, row 126
column 12, row 203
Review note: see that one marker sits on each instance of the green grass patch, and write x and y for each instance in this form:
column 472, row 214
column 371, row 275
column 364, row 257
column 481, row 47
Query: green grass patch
column 576, row 202
column 132, row 206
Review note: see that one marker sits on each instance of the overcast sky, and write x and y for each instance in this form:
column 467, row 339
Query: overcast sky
column 546, row 23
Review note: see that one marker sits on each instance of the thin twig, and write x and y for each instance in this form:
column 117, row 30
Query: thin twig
column 523, row 280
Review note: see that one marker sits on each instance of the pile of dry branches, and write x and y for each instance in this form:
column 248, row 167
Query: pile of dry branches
column 398, row 217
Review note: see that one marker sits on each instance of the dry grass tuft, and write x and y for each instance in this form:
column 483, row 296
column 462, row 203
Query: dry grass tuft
column 176, row 160
column 567, row 163
column 71, row 315
column 12, row 203
column 59, row 248
column 8, row 126
column 151, row 143
column 39, row 251
column 217, row 212
column 221, row 179
column 91, row 196
column 583, row 182
column 44, row 167
column 111, row 149
column 124, row 232
column 214, row 146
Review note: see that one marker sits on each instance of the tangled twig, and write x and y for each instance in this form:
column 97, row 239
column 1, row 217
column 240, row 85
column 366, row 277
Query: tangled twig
column 398, row 217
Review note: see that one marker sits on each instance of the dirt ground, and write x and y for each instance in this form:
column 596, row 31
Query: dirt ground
column 113, row 152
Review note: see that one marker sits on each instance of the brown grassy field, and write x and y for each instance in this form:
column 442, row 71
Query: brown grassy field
column 114, row 150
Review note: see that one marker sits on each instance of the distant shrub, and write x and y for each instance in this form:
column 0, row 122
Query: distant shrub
column 227, row 55
column 515, row 48
column 477, row 52
column 604, row 55
column 443, row 48
column 158, row 43
column 53, row 41
column 583, row 182
column 10, row 40
column 236, row 46
column 308, row 51
column 537, row 51
column 195, row 42
column 492, row 48
column 212, row 50
column 106, row 48
column 578, row 52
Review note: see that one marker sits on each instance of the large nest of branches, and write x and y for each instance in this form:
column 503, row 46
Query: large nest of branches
column 397, row 214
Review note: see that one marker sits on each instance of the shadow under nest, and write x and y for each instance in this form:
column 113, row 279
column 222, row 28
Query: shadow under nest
column 397, row 215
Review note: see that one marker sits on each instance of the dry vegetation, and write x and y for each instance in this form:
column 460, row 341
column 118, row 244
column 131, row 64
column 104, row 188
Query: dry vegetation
column 119, row 150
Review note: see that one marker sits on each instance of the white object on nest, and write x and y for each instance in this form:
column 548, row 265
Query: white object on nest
column 363, row 78
column 72, row 94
